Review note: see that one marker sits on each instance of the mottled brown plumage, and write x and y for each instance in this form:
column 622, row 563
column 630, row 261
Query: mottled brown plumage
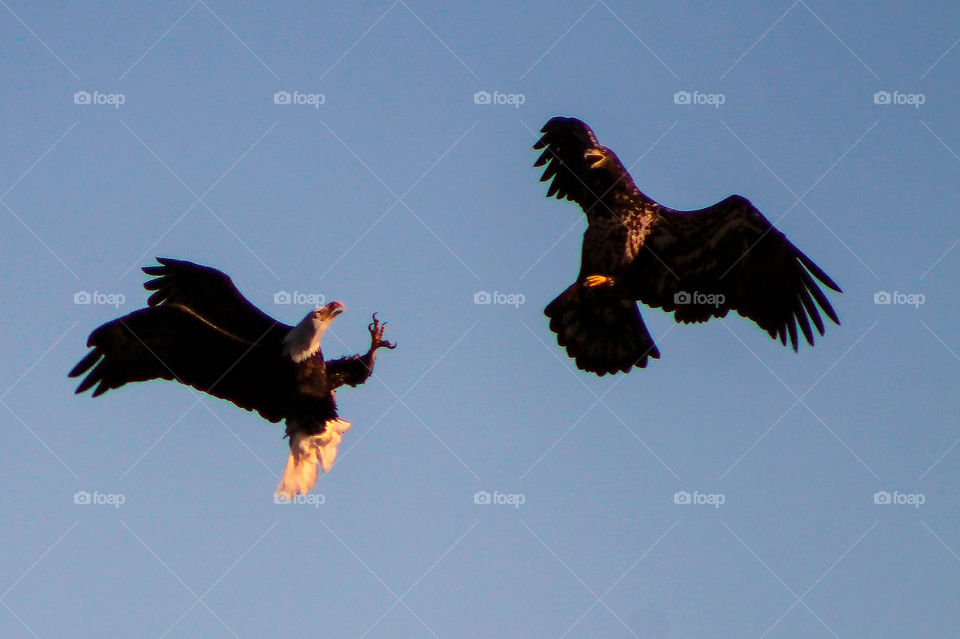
column 695, row 264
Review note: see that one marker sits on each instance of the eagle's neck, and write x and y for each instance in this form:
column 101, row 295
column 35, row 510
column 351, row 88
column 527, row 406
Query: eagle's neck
column 303, row 340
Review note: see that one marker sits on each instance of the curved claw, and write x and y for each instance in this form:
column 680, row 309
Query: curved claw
column 376, row 328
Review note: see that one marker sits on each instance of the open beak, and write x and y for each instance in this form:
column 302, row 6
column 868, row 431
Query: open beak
column 335, row 308
column 596, row 155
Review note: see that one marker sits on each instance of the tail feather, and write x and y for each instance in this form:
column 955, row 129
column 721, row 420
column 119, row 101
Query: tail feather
column 308, row 453
column 602, row 331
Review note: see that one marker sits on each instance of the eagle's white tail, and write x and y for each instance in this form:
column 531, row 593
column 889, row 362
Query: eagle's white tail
column 306, row 453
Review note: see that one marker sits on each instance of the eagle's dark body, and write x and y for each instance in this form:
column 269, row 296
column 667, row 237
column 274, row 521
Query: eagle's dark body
column 198, row 329
column 696, row 264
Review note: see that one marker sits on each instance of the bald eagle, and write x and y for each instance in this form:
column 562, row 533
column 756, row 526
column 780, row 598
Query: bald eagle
column 695, row 264
column 198, row 329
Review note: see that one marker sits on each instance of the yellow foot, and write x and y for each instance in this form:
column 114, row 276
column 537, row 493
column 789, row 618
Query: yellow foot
column 598, row 280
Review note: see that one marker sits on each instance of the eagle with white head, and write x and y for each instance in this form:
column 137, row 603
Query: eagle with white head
column 199, row 330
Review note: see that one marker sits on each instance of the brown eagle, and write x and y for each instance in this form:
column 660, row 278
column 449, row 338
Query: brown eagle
column 198, row 329
column 695, row 264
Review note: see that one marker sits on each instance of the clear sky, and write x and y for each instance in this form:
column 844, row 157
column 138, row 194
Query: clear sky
column 339, row 150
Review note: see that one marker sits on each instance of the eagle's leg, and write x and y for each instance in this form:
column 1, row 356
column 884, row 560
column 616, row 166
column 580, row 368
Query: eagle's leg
column 376, row 328
column 598, row 280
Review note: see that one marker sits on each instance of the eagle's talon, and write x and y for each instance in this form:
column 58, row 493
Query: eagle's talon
column 376, row 328
column 598, row 280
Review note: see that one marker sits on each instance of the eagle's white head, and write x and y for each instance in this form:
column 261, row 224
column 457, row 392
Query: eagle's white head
column 303, row 340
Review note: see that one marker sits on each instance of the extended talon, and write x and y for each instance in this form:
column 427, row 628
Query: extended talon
column 376, row 328
column 598, row 280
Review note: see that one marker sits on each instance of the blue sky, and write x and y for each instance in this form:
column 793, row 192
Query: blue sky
column 133, row 131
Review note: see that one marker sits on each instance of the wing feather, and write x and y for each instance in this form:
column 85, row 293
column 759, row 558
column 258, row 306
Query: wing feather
column 701, row 264
column 167, row 342
column 564, row 141
column 211, row 295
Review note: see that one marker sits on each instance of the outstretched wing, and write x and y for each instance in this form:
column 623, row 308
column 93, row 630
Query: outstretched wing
column 211, row 295
column 170, row 342
column 701, row 264
column 565, row 141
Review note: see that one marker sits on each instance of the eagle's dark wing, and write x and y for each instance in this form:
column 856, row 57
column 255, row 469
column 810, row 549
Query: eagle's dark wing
column 212, row 295
column 701, row 264
column 565, row 141
column 169, row 342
